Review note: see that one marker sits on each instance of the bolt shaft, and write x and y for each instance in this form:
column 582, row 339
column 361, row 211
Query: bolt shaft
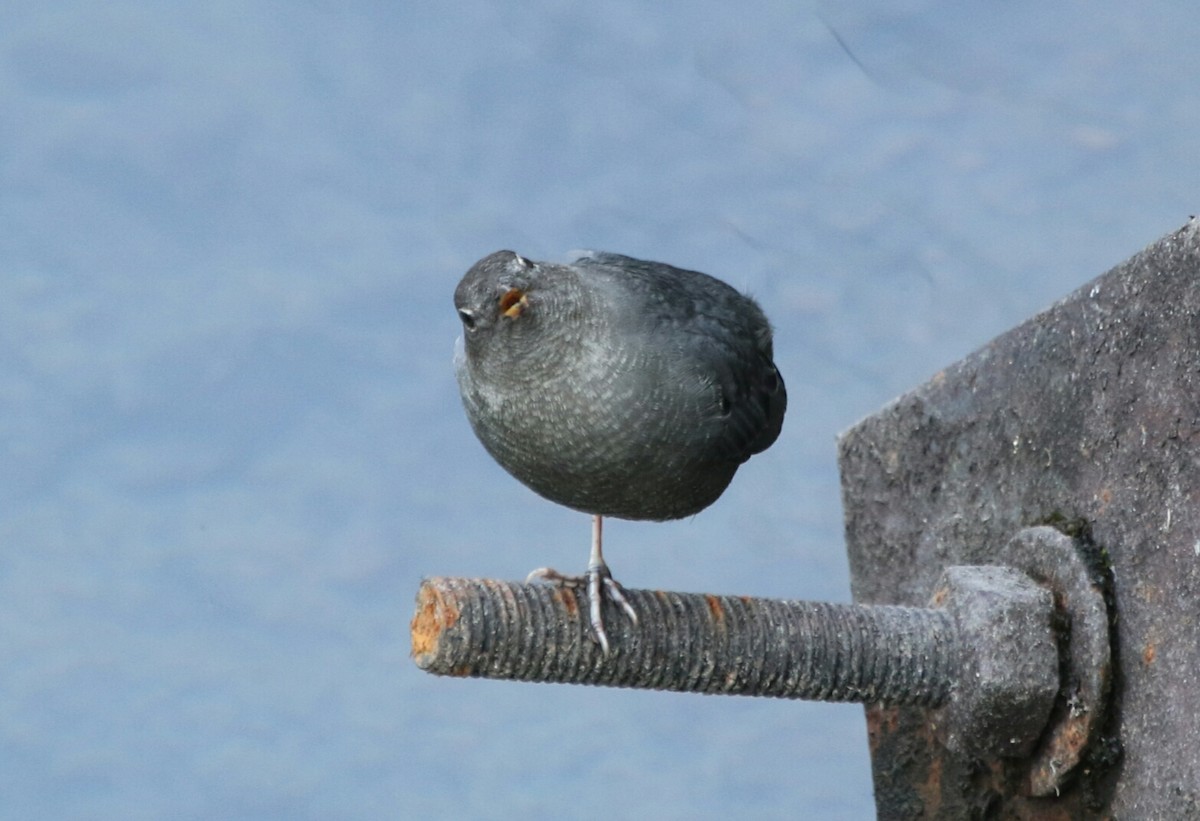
column 688, row 643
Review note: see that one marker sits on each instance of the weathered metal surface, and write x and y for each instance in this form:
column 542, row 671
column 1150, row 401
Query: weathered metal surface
column 1009, row 678
column 719, row 645
column 985, row 651
column 1087, row 418
column 1060, row 562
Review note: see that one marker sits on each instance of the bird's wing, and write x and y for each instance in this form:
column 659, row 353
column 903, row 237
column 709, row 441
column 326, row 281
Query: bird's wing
column 728, row 345
column 750, row 396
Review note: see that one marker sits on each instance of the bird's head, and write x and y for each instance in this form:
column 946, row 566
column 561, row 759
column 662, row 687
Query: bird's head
column 509, row 305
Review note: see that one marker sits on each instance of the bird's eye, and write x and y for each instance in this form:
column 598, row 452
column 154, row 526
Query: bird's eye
column 468, row 318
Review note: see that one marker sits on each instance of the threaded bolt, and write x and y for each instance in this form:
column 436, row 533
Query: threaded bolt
column 689, row 643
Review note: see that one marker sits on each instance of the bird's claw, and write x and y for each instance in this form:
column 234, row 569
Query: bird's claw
column 599, row 583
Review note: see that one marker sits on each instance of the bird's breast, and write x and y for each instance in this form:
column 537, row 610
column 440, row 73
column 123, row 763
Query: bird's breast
column 629, row 439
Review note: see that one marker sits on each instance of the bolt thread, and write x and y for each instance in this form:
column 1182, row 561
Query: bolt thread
column 688, row 642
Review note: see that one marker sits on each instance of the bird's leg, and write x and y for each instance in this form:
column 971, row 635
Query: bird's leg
column 599, row 582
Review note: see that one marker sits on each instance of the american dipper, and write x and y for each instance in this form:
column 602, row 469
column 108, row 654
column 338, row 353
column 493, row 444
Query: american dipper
column 615, row 386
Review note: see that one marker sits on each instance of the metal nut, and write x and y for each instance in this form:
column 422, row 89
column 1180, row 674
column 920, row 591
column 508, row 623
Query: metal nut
column 1009, row 669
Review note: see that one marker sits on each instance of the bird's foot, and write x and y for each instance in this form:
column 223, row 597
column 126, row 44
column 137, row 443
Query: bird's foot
column 599, row 583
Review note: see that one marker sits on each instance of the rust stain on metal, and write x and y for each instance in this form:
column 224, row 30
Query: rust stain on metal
column 932, row 789
column 1148, row 592
column 436, row 613
column 1069, row 739
column 881, row 722
column 567, row 596
column 715, row 607
column 1153, row 639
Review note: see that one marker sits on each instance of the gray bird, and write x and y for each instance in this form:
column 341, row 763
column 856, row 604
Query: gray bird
column 615, row 386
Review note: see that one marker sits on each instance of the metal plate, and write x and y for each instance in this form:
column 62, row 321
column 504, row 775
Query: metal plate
column 1087, row 418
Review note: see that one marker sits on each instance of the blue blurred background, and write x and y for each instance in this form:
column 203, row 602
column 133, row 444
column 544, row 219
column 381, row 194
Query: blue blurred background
column 230, row 439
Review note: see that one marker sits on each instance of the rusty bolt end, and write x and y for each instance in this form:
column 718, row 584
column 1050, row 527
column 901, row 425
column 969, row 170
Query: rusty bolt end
column 436, row 613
